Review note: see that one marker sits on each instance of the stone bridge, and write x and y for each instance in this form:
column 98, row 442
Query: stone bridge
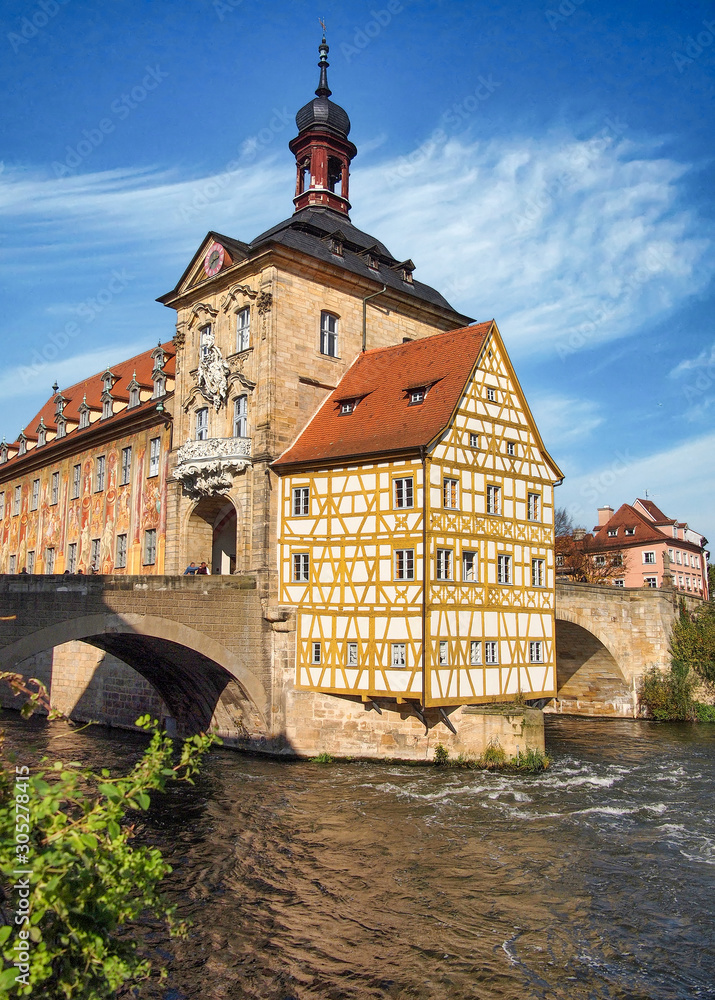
column 606, row 638
column 205, row 644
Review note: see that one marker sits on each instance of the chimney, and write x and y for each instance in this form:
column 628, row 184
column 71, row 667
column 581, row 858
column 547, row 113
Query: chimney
column 579, row 534
column 604, row 515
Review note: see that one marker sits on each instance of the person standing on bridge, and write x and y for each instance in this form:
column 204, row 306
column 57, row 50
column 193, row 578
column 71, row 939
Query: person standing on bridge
column 203, row 570
column 191, row 569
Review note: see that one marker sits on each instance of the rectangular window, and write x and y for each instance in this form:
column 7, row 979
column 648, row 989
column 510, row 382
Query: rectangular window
column 475, row 653
column 154, row 451
column 329, row 334
column 417, row 396
column 652, row 581
column 351, row 654
column 301, row 567
column 17, row 500
column 398, row 655
column 491, row 395
column 538, row 572
column 473, row 440
column 12, row 568
column 55, row 488
column 443, row 653
column 510, row 448
column 536, row 652
column 240, row 417
column 469, row 567
column 491, row 652
column 599, row 560
column 301, row 501
column 317, row 654
column 202, row 423
column 243, row 329
column 99, row 473
column 31, row 561
column 450, row 493
column 2, row 505
column 76, row 481
column 444, row 564
column 493, row 500
column 72, row 557
column 686, row 559
column 503, row 569
column 613, row 532
column 678, row 558
column 630, row 531
column 94, row 555
column 126, row 472
column 150, row 547
column 619, row 583
column 205, row 342
column 533, row 507
column 404, row 495
column 35, row 496
column 649, row 558
column 49, row 560
column 121, row 561
column 404, row 564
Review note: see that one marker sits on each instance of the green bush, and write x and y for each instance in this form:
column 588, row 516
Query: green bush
column 668, row 696
column 704, row 713
column 441, row 755
column 493, row 756
column 88, row 884
column 532, row 760
column 693, row 640
column 323, row 758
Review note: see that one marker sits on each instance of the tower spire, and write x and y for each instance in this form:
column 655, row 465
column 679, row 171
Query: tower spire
column 323, row 88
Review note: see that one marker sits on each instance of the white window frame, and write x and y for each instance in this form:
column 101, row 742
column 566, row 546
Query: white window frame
column 76, row 481
column 538, row 572
column 203, row 342
column 35, row 495
column 469, row 567
column 444, row 564
column 150, row 547
column 491, row 652
column 243, row 329
column 121, row 552
column 50, row 559
column 443, row 653
column 494, row 499
column 398, row 654
column 159, row 380
column 351, row 654
column 403, row 563
column 202, row 424
column 533, row 507
column 100, row 473
column 536, row 651
column 301, row 567
column 475, row 653
column 511, row 449
column 55, row 488
column 504, row 575
column 652, row 581
column 107, row 409
column 300, row 506
column 403, row 493
column 240, row 417
column 72, row 557
column 491, row 395
column 619, row 583
column 649, row 558
column 17, row 501
column 126, row 466
column 154, row 456
column 450, row 493
column 329, row 324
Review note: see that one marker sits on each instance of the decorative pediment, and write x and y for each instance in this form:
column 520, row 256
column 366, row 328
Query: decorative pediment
column 234, row 292
column 238, row 378
column 158, row 356
column 41, row 432
column 206, row 468
column 201, row 313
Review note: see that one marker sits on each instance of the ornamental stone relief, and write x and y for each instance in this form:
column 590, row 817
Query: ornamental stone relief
column 208, row 467
column 212, row 376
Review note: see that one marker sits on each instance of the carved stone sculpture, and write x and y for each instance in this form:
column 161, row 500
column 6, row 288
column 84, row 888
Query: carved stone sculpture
column 207, row 467
column 212, row 378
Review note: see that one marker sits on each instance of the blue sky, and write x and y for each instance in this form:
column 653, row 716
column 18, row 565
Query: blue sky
column 547, row 164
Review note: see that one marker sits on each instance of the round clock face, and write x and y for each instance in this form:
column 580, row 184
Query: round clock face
column 213, row 261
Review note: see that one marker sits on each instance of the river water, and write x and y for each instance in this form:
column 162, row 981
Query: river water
column 593, row 880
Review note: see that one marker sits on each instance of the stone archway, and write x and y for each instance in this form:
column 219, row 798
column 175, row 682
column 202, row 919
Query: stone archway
column 589, row 680
column 211, row 535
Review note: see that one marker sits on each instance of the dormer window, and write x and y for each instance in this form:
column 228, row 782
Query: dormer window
column 159, row 385
column 613, row 532
column 630, row 531
column 404, row 269
column 61, row 427
column 3, row 452
column 83, row 414
column 108, row 381
column 347, row 406
column 417, row 395
column 107, row 407
column 373, row 262
column 60, row 402
column 159, row 358
column 41, row 433
column 22, row 450
column 336, row 246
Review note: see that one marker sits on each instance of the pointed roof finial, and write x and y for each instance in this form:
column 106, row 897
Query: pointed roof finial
column 55, row 387
column 323, row 88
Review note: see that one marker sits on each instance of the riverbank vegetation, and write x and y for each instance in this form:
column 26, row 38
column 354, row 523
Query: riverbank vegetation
column 73, row 883
column 494, row 758
column 671, row 695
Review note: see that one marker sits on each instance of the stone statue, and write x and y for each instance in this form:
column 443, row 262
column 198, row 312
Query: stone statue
column 213, row 373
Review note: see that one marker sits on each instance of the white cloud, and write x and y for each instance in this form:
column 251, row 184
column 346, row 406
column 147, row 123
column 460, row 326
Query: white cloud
column 679, row 480
column 703, row 362
column 563, row 421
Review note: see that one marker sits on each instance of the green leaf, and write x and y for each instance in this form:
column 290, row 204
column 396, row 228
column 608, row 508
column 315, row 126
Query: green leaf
column 7, row 979
column 5, row 933
column 143, row 800
column 113, row 829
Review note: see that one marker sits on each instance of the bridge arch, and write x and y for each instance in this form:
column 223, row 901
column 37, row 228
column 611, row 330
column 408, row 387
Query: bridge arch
column 197, row 677
column 589, row 674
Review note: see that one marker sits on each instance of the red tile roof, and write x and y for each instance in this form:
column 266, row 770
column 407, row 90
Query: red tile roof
column 646, row 531
column 93, row 388
column 655, row 512
column 383, row 420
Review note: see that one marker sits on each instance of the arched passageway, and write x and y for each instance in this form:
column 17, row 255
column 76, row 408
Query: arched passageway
column 212, row 533
column 587, row 674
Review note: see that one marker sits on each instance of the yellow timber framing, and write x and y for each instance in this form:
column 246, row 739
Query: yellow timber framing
column 354, row 529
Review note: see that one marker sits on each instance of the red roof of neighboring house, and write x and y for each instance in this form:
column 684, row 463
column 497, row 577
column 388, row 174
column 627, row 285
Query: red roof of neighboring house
column 93, row 389
column 655, row 512
column 379, row 380
column 646, row 531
